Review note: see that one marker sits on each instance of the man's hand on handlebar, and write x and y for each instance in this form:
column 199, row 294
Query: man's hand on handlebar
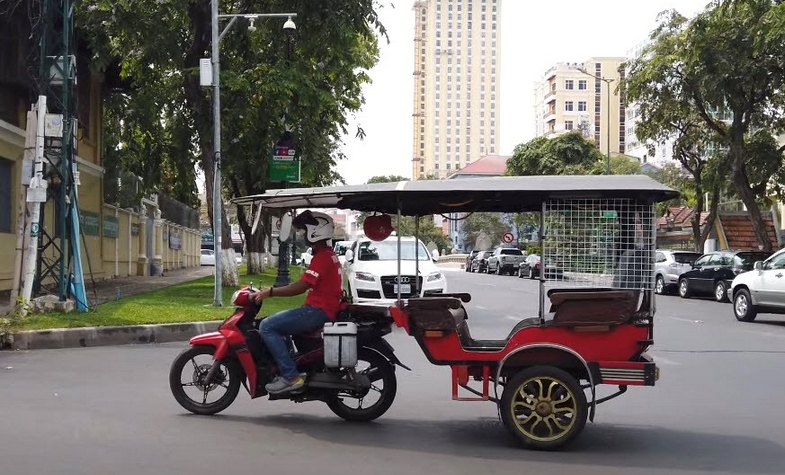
column 260, row 295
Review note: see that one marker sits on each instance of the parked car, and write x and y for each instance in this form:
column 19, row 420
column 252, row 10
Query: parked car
column 207, row 258
column 480, row 261
column 532, row 266
column 761, row 290
column 305, row 257
column 505, row 260
column 371, row 271
column 669, row 265
column 340, row 248
column 469, row 260
column 713, row 273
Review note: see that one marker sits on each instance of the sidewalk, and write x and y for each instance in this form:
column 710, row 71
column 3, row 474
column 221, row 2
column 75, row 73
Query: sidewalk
column 108, row 290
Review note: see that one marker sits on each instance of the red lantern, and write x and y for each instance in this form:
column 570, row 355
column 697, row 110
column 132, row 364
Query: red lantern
column 378, row 227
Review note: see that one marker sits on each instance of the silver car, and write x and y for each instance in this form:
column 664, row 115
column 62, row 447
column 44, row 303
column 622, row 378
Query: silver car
column 669, row 265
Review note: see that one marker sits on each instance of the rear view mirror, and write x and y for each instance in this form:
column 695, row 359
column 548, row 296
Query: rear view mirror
column 349, row 256
column 758, row 265
column 285, row 228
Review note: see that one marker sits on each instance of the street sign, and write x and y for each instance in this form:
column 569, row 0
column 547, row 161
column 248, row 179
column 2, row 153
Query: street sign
column 284, row 166
column 508, row 238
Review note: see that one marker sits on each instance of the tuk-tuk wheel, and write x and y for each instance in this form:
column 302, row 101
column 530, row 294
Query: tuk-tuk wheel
column 544, row 407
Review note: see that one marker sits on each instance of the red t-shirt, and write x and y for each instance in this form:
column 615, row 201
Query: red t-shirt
column 324, row 278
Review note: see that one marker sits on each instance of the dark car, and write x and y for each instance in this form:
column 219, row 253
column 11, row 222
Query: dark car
column 713, row 273
column 469, row 260
column 480, row 261
column 532, row 266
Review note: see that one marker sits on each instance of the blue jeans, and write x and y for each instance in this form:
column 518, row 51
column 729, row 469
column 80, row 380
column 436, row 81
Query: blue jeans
column 276, row 328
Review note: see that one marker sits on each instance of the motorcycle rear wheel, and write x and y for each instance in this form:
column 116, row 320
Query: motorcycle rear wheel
column 380, row 370
column 228, row 376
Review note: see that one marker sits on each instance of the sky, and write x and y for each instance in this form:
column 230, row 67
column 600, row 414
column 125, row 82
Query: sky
column 534, row 36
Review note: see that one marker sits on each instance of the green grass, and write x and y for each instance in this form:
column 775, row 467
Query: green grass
column 186, row 302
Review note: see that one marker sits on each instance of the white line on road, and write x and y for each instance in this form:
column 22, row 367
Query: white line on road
column 688, row 320
column 664, row 361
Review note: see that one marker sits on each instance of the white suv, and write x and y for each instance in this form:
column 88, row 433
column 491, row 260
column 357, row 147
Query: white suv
column 371, row 271
column 760, row 290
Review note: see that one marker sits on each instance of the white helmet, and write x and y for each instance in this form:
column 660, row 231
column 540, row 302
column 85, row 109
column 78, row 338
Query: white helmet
column 317, row 226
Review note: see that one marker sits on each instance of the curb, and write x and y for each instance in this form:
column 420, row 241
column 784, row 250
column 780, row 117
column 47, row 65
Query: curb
column 103, row 336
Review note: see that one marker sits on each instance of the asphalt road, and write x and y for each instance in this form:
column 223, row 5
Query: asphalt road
column 718, row 408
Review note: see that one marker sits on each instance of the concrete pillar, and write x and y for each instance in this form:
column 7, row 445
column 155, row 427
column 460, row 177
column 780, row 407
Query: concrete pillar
column 142, row 266
column 156, row 267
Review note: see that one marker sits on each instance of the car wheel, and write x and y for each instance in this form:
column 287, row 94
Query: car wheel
column 720, row 292
column 743, row 308
column 684, row 289
column 659, row 285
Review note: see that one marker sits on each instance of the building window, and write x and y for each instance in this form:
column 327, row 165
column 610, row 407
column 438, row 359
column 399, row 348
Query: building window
column 6, row 172
column 568, row 125
column 582, row 85
column 569, row 84
column 581, row 106
column 568, row 106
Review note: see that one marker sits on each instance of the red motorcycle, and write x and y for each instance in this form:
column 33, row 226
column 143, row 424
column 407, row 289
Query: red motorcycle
column 206, row 378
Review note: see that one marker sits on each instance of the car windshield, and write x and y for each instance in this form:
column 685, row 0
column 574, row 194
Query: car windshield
column 340, row 249
column 746, row 260
column 388, row 251
column 685, row 257
column 512, row 252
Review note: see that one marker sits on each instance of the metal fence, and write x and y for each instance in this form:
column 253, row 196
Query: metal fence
column 177, row 212
column 599, row 243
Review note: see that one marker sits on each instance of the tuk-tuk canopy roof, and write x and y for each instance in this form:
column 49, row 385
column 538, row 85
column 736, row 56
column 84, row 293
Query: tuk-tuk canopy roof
column 499, row 194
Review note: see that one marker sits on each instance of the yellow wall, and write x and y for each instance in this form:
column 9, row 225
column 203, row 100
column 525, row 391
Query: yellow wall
column 108, row 256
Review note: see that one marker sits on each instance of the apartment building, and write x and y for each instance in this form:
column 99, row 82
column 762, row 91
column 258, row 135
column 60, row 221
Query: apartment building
column 586, row 97
column 456, row 100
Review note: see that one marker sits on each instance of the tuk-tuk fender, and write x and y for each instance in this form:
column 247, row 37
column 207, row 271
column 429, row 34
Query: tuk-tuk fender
column 555, row 347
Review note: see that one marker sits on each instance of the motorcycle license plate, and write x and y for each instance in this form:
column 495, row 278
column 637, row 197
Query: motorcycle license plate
column 405, row 288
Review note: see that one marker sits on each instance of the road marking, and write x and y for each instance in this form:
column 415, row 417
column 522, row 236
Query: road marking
column 664, row 361
column 688, row 320
column 480, row 307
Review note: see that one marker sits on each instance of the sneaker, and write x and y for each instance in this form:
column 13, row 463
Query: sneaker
column 282, row 385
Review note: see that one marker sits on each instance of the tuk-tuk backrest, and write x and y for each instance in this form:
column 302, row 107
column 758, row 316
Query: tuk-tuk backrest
column 435, row 313
column 586, row 307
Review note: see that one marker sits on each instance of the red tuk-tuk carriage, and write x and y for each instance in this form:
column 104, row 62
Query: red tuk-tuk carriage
column 591, row 327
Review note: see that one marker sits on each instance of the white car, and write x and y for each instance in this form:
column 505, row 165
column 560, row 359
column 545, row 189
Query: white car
column 305, row 257
column 207, row 258
column 371, row 271
column 761, row 290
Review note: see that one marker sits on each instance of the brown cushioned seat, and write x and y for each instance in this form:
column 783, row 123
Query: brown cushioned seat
column 593, row 307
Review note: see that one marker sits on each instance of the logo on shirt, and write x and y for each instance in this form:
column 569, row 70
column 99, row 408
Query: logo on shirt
column 312, row 272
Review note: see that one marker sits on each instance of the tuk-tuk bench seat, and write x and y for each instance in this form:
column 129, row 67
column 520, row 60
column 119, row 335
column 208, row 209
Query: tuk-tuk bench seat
column 592, row 306
column 448, row 314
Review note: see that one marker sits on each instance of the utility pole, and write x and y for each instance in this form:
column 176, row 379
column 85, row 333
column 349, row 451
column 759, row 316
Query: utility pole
column 59, row 253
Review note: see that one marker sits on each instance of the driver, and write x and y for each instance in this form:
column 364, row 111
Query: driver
column 323, row 281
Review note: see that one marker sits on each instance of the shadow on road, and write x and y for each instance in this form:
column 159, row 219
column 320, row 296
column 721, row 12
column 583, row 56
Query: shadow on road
column 600, row 445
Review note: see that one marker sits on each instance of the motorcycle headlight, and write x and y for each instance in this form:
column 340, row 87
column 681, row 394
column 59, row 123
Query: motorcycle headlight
column 364, row 276
column 434, row 276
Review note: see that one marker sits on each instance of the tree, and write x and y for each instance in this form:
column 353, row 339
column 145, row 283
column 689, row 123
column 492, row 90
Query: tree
column 490, row 224
column 270, row 83
column 723, row 74
column 566, row 154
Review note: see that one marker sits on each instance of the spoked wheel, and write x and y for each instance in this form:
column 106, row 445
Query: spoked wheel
column 354, row 406
column 684, row 289
column 544, row 407
column 186, row 380
column 720, row 292
column 659, row 285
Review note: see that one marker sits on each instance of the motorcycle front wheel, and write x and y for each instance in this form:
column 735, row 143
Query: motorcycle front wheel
column 367, row 407
column 187, row 381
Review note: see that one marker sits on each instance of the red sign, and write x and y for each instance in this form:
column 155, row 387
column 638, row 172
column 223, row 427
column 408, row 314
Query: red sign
column 508, row 238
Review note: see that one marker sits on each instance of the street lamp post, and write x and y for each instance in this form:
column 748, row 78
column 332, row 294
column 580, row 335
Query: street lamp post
column 216, row 64
column 607, row 82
